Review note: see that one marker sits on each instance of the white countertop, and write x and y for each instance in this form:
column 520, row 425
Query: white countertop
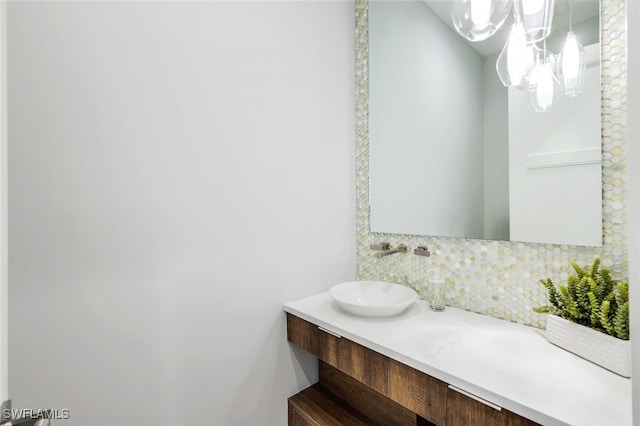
column 508, row 364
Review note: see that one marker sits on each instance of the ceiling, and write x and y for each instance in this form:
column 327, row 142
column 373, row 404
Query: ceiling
column 582, row 10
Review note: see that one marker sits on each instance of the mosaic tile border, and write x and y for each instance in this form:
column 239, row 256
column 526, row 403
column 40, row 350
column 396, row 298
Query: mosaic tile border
column 500, row 278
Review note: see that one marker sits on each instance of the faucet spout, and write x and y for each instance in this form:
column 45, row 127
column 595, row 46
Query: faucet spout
column 400, row 249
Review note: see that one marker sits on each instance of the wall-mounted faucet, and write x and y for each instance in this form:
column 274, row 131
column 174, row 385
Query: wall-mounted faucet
column 400, row 249
column 386, row 249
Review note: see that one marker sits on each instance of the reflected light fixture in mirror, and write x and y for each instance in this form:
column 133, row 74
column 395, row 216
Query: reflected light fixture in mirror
column 573, row 63
column 573, row 66
column 521, row 63
column 544, row 88
column 477, row 20
column 536, row 17
column 516, row 59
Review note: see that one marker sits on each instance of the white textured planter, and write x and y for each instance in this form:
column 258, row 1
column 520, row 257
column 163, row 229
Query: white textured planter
column 607, row 351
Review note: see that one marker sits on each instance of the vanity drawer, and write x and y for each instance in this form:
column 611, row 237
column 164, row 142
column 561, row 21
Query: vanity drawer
column 364, row 365
column 313, row 339
column 465, row 409
column 420, row 393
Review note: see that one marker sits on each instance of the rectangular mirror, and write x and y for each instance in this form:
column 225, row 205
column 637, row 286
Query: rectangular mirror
column 454, row 153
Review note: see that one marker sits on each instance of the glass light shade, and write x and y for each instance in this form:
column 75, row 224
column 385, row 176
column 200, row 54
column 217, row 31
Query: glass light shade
column 536, row 17
column 534, row 54
column 477, row 20
column 535, row 57
column 513, row 62
column 544, row 89
column 572, row 66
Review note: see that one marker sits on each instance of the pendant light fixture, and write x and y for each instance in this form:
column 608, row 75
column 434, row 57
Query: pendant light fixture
column 572, row 65
column 521, row 63
column 536, row 17
column 477, row 20
column 513, row 61
column 544, row 88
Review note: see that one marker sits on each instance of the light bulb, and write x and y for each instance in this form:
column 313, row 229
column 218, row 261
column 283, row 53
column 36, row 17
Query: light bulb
column 544, row 86
column 533, row 52
column 572, row 66
column 517, row 55
column 544, row 90
column 571, row 57
column 513, row 62
column 477, row 20
column 480, row 12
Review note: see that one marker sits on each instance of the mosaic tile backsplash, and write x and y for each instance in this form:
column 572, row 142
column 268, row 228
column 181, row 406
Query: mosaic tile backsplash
column 500, row 278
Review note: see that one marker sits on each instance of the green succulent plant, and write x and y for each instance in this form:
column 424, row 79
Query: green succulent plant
column 591, row 298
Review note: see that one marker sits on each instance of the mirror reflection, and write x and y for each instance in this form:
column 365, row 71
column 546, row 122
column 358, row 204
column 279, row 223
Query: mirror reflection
column 455, row 153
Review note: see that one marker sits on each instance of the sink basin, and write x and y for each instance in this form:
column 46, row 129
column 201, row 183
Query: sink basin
column 372, row 298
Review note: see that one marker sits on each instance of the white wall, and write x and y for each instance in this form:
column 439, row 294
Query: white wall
column 496, row 152
column 420, row 124
column 177, row 172
column 633, row 166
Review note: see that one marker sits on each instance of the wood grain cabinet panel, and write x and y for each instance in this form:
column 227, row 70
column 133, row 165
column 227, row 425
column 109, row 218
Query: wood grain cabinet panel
column 418, row 392
column 315, row 407
column 512, row 419
column 297, row 417
column 364, row 365
column 312, row 339
column 364, row 399
column 464, row 411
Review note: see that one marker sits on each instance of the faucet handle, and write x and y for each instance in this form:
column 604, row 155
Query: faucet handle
column 422, row 251
column 381, row 246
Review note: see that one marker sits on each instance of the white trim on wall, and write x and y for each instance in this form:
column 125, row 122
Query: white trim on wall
column 563, row 159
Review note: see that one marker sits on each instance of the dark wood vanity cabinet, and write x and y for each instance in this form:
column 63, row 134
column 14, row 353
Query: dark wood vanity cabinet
column 364, row 365
column 361, row 386
column 313, row 339
column 464, row 410
column 419, row 392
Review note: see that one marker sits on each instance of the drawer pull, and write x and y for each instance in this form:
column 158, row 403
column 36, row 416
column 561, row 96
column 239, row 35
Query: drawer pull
column 329, row 332
column 477, row 398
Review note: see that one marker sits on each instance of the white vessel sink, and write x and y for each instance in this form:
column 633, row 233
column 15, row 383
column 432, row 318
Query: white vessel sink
column 372, row 298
